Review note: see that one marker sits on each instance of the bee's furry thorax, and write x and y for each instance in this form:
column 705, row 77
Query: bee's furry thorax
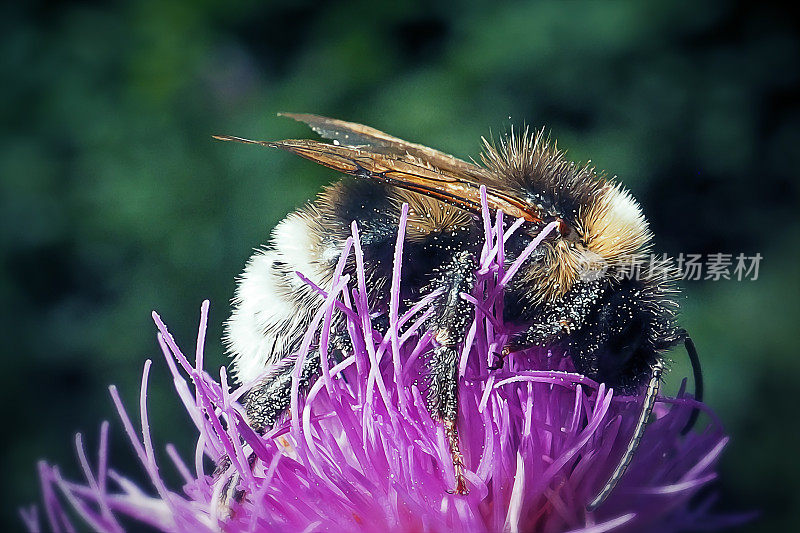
column 605, row 223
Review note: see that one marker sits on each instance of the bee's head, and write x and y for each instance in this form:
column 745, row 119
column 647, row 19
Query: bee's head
column 624, row 335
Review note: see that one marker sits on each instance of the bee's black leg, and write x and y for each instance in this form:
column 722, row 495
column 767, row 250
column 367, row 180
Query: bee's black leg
column 450, row 322
column 230, row 490
column 443, row 404
column 264, row 404
column 500, row 358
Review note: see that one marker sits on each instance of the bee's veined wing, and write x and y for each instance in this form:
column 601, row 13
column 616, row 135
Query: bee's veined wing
column 358, row 135
column 407, row 172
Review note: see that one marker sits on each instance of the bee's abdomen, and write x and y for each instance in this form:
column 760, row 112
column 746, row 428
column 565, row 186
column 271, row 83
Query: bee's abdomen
column 273, row 306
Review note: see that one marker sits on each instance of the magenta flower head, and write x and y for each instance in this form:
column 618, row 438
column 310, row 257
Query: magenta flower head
column 359, row 451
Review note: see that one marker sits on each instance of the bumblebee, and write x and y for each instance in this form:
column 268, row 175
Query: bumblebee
column 574, row 293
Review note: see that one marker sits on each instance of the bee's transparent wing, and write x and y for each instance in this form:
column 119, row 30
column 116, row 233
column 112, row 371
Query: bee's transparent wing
column 376, row 141
column 404, row 171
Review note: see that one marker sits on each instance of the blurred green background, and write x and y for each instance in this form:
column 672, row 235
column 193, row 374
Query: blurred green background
column 114, row 199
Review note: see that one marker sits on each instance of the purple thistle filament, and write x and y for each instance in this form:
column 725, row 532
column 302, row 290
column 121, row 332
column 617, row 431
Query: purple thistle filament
column 360, row 452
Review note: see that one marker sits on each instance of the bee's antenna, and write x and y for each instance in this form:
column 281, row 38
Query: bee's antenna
column 633, row 444
column 697, row 372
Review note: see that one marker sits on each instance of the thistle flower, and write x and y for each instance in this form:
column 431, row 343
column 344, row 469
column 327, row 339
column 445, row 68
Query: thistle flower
column 360, row 452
